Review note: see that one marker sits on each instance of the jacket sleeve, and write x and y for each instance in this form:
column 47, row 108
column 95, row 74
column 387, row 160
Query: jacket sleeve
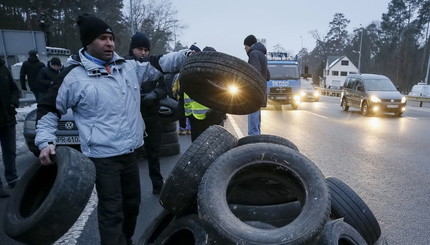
column 43, row 79
column 22, row 74
column 255, row 61
column 14, row 90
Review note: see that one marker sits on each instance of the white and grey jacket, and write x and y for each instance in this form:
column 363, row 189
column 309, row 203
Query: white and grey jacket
column 106, row 106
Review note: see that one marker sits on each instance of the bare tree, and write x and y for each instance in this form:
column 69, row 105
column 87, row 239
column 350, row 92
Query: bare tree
column 158, row 20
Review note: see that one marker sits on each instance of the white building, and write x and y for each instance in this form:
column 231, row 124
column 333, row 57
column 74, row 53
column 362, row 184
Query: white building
column 336, row 70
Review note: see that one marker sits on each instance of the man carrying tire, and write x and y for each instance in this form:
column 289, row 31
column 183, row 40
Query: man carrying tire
column 103, row 90
column 256, row 52
column 152, row 92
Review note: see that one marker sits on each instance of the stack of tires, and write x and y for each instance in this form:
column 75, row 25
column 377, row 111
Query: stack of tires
column 256, row 190
column 168, row 116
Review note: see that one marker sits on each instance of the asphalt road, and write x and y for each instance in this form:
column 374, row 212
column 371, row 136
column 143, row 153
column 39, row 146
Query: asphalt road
column 383, row 158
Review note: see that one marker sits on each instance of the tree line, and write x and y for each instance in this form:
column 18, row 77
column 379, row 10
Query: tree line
column 57, row 19
column 396, row 46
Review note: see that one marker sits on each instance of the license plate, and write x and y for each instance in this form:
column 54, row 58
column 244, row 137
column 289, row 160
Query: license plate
column 281, row 97
column 392, row 106
column 68, row 140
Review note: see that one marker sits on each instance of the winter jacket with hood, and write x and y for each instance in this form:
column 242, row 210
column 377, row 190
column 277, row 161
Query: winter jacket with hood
column 9, row 95
column 98, row 99
column 30, row 68
column 257, row 58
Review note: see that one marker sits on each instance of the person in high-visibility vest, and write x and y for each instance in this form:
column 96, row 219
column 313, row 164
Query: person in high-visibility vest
column 200, row 116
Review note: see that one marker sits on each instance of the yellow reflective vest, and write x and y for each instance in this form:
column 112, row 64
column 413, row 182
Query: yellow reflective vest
column 194, row 108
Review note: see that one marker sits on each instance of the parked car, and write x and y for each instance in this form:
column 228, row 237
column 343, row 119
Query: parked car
column 420, row 89
column 308, row 93
column 372, row 93
column 67, row 133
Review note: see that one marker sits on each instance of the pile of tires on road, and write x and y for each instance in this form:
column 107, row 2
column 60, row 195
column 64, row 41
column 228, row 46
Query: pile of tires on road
column 256, row 190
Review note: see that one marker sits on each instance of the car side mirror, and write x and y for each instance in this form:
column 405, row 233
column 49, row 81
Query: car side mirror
column 360, row 88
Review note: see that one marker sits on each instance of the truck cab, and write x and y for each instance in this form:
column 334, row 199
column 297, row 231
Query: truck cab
column 284, row 85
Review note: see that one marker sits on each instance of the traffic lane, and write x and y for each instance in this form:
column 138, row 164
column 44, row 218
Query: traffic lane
column 374, row 155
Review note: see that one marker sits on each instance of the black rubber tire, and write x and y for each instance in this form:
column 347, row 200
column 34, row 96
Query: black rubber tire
column 179, row 191
column 267, row 138
column 276, row 215
column 169, row 138
column 170, row 149
column 365, row 109
column 167, row 127
column 347, row 204
column 168, row 111
column 48, row 199
column 156, row 227
column 185, row 230
column 339, row 232
column 206, row 77
column 267, row 160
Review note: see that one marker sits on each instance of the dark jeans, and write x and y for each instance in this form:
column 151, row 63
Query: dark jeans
column 118, row 190
column 8, row 147
column 152, row 147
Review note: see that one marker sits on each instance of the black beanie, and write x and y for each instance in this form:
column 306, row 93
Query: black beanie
column 55, row 61
column 209, row 49
column 195, row 48
column 90, row 27
column 140, row 39
column 250, row 40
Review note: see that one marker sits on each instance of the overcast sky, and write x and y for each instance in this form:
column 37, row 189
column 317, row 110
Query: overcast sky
column 223, row 24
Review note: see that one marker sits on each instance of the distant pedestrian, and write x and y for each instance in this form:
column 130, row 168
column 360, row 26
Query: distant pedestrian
column 256, row 52
column 9, row 101
column 47, row 75
column 29, row 72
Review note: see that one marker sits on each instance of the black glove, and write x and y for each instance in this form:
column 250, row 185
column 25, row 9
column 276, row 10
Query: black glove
column 149, row 99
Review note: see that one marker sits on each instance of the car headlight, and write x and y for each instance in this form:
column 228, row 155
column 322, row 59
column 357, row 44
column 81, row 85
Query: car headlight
column 297, row 98
column 316, row 94
column 303, row 94
column 375, row 99
column 403, row 99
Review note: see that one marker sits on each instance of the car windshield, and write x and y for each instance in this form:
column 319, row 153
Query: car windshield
column 307, row 86
column 283, row 72
column 379, row 85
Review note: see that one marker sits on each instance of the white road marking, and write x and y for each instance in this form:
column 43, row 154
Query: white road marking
column 235, row 127
column 72, row 235
column 315, row 114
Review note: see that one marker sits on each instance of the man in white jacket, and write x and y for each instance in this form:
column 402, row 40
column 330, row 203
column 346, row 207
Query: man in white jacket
column 103, row 91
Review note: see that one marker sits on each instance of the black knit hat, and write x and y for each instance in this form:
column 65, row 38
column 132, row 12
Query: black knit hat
column 90, row 27
column 195, row 48
column 208, row 49
column 140, row 39
column 55, row 61
column 250, row 40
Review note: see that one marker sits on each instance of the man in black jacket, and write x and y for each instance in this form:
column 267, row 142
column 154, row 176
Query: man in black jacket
column 256, row 52
column 30, row 69
column 152, row 92
column 47, row 75
column 9, row 100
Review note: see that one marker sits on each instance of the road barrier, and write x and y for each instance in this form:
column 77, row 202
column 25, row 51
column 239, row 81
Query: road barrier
column 329, row 92
column 419, row 99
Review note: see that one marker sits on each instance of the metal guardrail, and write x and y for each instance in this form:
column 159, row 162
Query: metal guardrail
column 419, row 99
column 329, row 92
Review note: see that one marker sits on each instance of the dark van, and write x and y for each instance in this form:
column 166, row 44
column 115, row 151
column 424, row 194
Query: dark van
column 371, row 94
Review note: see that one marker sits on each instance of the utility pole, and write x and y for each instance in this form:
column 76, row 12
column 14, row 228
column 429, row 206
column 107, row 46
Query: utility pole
column 359, row 54
column 428, row 68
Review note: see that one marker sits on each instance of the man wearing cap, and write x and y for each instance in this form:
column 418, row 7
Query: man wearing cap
column 29, row 71
column 103, row 90
column 152, row 92
column 47, row 76
column 256, row 52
